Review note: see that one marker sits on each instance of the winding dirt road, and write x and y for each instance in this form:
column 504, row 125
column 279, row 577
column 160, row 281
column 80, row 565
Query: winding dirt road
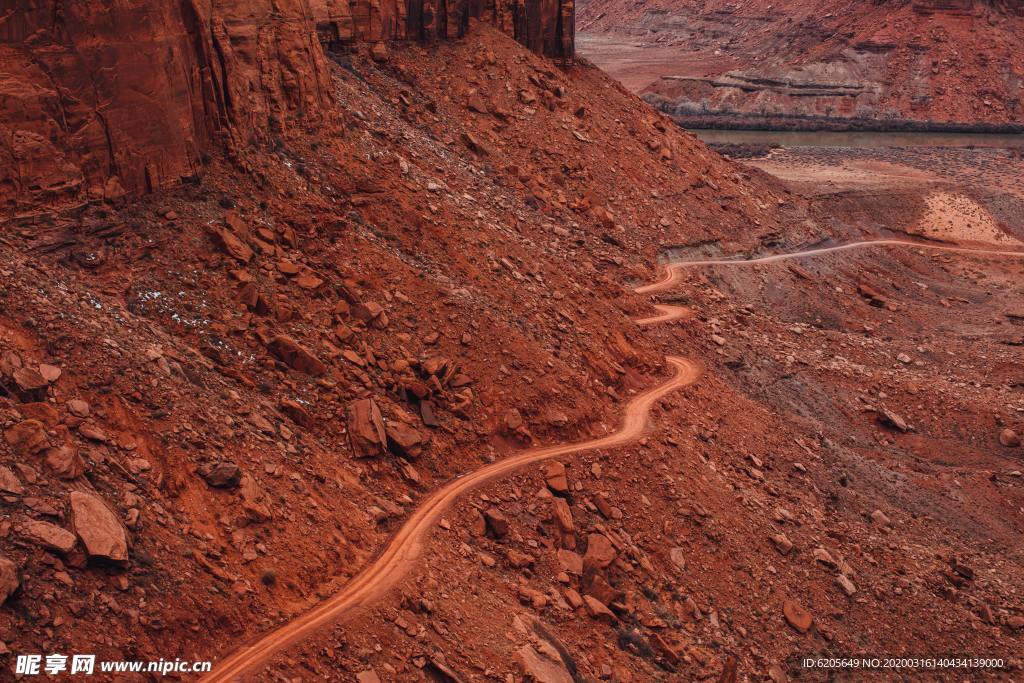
column 669, row 314
column 673, row 271
column 406, row 547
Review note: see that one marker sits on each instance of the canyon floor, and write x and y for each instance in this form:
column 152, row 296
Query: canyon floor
column 805, row 64
column 457, row 387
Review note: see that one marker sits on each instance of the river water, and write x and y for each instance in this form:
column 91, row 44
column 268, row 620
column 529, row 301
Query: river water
column 787, row 138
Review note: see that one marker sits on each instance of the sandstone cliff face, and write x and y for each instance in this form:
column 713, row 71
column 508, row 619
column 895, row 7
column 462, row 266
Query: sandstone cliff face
column 105, row 99
column 928, row 6
column 108, row 98
column 544, row 26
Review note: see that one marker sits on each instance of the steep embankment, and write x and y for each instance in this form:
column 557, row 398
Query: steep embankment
column 220, row 401
column 797, row 63
column 406, row 549
column 255, row 375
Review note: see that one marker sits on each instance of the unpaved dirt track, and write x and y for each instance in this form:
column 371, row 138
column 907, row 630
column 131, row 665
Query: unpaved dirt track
column 673, row 271
column 404, row 549
column 669, row 314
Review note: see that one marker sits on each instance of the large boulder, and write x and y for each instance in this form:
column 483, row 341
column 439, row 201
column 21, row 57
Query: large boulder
column 233, row 245
column 292, row 354
column 222, row 475
column 404, row 440
column 9, row 581
column 497, row 523
column 600, row 553
column 892, row 420
column 66, row 462
column 554, row 476
column 27, row 438
column 98, row 527
column 49, row 536
column 9, row 482
column 562, row 514
column 542, row 668
column 598, row 610
column 366, row 432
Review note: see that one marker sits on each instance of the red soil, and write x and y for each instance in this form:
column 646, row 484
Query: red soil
column 263, row 373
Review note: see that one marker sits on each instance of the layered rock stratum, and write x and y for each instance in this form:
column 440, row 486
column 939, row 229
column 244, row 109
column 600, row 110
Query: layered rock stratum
column 934, row 64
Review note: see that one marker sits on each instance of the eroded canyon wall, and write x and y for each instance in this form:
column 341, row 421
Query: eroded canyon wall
column 103, row 99
column 544, row 26
column 929, row 6
column 816, row 63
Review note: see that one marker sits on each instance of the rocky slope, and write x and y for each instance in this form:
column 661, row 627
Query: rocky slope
column 888, row 62
column 220, row 400
column 250, row 377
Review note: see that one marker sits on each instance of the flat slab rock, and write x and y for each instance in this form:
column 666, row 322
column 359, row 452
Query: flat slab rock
column 368, row 676
column 366, row 428
column 49, row 536
column 798, row 617
column 295, row 356
column 540, row 668
column 98, row 527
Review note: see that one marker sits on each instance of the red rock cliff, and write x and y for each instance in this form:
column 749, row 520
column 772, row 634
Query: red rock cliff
column 100, row 99
column 545, row 26
column 929, row 6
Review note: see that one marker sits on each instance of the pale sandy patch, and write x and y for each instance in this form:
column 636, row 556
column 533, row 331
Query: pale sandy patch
column 849, row 174
column 953, row 217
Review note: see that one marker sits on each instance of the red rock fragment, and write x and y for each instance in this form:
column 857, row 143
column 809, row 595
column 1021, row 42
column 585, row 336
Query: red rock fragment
column 9, row 482
column 50, row 373
column 28, row 379
column 366, row 432
column 65, row 462
column 797, row 617
column 27, row 438
column 563, row 520
column 98, row 527
column 543, row 666
column 292, row 354
column 497, row 523
column 404, row 440
column 554, row 476
column 233, row 245
column 427, row 413
column 221, row 475
column 598, row 610
column 9, row 579
column 297, row 413
column 49, row 536
column 600, row 553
